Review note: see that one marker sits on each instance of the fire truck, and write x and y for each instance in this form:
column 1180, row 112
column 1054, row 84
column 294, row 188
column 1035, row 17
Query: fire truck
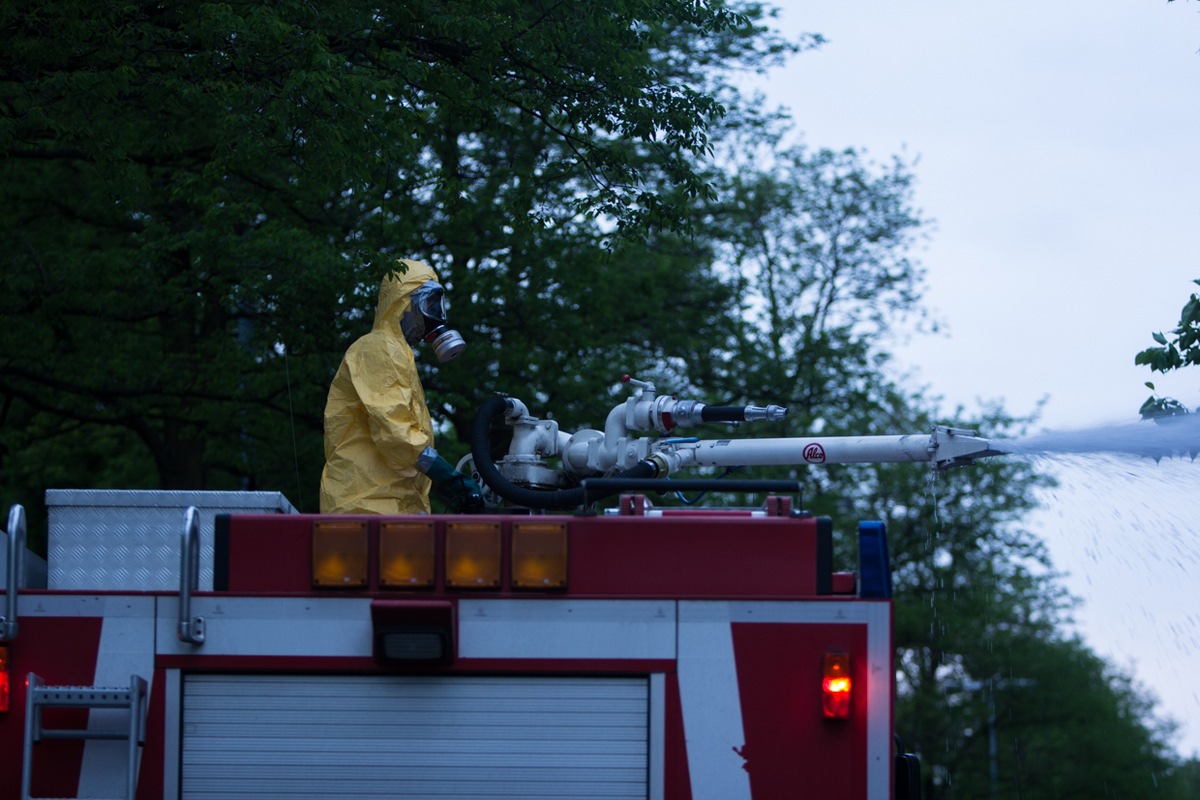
column 222, row 645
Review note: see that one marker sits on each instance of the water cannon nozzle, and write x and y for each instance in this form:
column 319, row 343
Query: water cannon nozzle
column 958, row 447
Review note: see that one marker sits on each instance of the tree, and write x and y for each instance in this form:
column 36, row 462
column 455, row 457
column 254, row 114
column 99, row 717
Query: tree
column 817, row 249
column 199, row 201
column 1026, row 727
column 1182, row 350
column 560, row 303
column 818, row 246
column 969, row 579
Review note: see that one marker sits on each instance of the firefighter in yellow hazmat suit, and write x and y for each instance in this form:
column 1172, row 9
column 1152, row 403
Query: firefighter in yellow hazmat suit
column 379, row 456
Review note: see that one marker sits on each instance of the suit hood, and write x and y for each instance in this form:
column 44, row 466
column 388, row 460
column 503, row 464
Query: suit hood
column 395, row 293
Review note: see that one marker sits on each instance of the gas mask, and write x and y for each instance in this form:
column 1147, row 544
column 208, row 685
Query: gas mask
column 426, row 321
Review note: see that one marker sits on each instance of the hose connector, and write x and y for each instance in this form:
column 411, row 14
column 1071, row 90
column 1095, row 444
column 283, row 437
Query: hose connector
column 661, row 467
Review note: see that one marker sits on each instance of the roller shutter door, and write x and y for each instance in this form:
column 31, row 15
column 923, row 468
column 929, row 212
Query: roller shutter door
column 353, row 737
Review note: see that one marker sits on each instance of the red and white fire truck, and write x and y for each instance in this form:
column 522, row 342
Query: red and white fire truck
column 220, row 645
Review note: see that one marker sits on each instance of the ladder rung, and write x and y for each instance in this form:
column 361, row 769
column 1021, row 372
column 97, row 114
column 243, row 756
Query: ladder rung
column 71, row 733
column 89, row 696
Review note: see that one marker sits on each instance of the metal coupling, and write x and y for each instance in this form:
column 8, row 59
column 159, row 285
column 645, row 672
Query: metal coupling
column 771, row 413
column 661, row 464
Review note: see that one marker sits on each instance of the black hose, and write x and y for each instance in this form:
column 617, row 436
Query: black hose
column 532, row 498
column 723, row 414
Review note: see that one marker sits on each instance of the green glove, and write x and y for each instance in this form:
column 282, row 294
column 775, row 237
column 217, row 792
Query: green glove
column 449, row 482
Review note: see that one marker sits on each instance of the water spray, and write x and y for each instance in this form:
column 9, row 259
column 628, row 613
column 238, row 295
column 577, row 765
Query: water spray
column 1162, row 437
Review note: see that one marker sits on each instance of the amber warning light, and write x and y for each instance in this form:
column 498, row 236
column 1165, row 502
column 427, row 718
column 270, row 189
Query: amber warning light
column 407, row 555
column 339, row 555
column 835, row 686
column 539, row 555
column 473, row 555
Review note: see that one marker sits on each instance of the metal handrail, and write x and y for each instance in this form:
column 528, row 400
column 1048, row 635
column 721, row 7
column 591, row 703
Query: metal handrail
column 190, row 629
column 16, row 556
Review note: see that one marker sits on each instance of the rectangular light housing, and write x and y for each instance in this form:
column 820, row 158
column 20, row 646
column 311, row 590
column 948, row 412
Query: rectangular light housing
column 407, row 555
column 413, row 631
column 339, row 555
column 473, row 555
column 539, row 555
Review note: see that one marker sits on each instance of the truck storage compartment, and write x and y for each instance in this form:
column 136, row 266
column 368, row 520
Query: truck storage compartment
column 113, row 540
column 363, row 736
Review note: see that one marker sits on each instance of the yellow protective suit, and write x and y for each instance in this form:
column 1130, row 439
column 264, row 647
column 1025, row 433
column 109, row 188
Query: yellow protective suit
column 376, row 420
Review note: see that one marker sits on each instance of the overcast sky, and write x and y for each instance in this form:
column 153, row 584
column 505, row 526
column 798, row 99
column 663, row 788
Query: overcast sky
column 1058, row 153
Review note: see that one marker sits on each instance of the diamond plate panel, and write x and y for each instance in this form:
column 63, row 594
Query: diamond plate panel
column 115, row 540
column 33, row 576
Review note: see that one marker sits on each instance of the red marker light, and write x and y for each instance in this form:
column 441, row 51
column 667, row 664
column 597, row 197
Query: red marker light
column 835, row 686
column 4, row 679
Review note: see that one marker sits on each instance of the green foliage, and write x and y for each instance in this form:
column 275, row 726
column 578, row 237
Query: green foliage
column 198, row 201
column 1020, row 729
column 1185, row 778
column 817, row 245
column 1179, row 351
